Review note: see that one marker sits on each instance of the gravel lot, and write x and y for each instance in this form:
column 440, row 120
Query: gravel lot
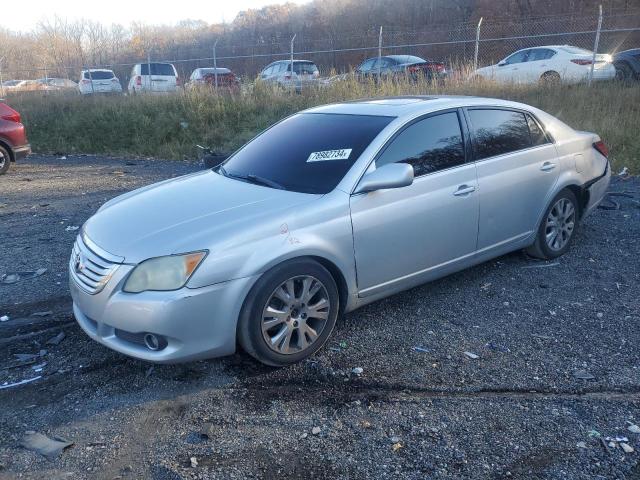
column 522, row 409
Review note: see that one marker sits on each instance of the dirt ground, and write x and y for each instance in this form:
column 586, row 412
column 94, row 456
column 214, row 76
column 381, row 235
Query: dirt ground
column 557, row 368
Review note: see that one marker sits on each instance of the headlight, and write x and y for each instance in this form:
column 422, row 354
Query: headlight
column 163, row 273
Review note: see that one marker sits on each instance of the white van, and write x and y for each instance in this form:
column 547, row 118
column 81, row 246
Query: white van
column 163, row 78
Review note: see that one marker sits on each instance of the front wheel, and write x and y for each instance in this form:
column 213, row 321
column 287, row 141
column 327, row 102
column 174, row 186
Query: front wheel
column 5, row 160
column 557, row 227
column 289, row 313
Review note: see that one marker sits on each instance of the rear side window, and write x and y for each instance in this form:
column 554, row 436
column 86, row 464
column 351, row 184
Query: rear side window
column 497, row 132
column 432, row 144
column 366, row 65
column 540, row 54
column 538, row 136
column 165, row 69
column 302, row 68
column 308, row 152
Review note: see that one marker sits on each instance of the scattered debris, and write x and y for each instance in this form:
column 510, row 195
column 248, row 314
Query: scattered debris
column 472, row 355
column 72, row 228
column 626, row 447
column 581, row 445
column 22, row 382
column 499, row 348
column 149, row 371
column 396, row 446
column 633, row 428
column 44, row 445
column 25, row 357
column 304, row 435
column 421, row 349
column 395, row 439
column 63, row 157
column 616, row 439
column 485, row 286
column 57, row 339
column 15, row 277
column 623, row 172
column 38, row 368
column 593, row 433
column 583, row 375
column 357, row 371
column 194, row 462
column 42, row 314
column 315, row 430
column 343, row 344
column 542, row 265
column 10, row 278
column 4, row 318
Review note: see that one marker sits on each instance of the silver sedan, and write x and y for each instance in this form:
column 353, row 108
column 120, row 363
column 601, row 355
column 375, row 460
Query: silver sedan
column 328, row 210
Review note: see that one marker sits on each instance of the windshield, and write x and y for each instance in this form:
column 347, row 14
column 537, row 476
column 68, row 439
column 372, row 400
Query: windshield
column 308, row 152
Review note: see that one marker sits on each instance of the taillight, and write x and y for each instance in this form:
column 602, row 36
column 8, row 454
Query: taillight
column 86, row 82
column 138, row 80
column 414, row 69
column 178, row 83
column 9, row 114
column 602, row 148
column 579, row 61
column 436, row 67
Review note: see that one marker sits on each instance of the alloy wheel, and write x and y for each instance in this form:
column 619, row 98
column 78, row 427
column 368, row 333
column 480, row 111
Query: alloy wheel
column 3, row 159
column 560, row 224
column 295, row 315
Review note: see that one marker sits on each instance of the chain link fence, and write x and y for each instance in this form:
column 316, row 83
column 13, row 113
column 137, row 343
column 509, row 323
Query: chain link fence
column 492, row 39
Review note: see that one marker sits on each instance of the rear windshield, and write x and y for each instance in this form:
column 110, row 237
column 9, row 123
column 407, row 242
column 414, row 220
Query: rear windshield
column 99, row 75
column 165, row 69
column 308, row 152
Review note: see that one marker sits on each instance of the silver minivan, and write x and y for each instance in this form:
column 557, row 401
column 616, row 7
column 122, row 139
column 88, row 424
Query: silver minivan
column 153, row 77
column 326, row 211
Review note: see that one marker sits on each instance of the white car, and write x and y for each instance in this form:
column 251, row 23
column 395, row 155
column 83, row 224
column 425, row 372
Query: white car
column 163, row 78
column 305, row 73
column 98, row 81
column 549, row 64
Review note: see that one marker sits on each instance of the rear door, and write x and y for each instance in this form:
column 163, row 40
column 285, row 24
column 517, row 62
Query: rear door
column 407, row 235
column 516, row 165
column 538, row 62
column 163, row 77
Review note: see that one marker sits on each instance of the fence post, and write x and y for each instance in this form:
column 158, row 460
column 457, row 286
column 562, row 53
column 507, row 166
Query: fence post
column 595, row 46
column 1, row 85
column 379, row 51
column 475, row 58
column 215, row 63
column 292, row 39
column 149, row 71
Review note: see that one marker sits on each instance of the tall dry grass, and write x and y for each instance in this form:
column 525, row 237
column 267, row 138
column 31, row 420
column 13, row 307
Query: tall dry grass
column 169, row 126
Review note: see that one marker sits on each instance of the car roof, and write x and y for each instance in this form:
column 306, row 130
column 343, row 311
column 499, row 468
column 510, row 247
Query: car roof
column 411, row 105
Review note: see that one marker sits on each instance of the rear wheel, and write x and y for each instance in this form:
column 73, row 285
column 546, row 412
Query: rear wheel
column 5, row 160
column 289, row 313
column 557, row 227
column 624, row 73
column 550, row 78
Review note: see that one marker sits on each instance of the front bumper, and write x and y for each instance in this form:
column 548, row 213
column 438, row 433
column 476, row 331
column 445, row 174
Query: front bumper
column 193, row 323
column 20, row 153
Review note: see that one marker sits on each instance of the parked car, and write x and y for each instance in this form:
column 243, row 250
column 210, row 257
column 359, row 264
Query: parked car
column 549, row 64
column 406, row 65
column 153, row 78
column 13, row 138
column 57, row 84
column 305, row 74
column 207, row 77
column 627, row 64
column 27, row 86
column 10, row 85
column 326, row 211
column 98, row 81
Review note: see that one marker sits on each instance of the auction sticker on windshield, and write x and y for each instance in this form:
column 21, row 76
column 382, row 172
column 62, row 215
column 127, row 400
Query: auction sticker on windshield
column 341, row 154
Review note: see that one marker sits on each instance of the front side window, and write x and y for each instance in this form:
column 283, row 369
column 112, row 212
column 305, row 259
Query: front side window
column 517, row 57
column 497, row 132
column 307, row 152
column 432, row 144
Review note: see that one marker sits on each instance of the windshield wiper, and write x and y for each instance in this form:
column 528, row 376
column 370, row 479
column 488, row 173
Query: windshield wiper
column 253, row 179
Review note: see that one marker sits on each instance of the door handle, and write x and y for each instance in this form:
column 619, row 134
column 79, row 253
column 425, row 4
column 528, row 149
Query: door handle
column 547, row 166
column 464, row 190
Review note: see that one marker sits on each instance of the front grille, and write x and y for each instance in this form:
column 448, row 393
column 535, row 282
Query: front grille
column 90, row 268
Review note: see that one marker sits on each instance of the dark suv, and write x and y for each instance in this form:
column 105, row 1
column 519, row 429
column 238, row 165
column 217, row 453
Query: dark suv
column 13, row 138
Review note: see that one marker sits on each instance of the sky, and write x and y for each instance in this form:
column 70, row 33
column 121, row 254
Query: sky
column 23, row 15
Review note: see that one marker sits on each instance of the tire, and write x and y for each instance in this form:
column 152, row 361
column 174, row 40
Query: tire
column 550, row 78
column 624, row 72
column 566, row 212
column 279, row 340
column 5, row 160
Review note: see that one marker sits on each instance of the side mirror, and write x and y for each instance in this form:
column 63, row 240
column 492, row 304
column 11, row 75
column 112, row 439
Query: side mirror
column 502, row 63
column 392, row 175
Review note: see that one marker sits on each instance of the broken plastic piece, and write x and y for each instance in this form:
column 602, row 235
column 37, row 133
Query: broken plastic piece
column 44, row 445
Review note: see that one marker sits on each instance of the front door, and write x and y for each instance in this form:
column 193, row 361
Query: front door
column 403, row 236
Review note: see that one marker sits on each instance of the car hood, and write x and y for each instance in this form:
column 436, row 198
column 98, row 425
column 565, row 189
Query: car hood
column 184, row 214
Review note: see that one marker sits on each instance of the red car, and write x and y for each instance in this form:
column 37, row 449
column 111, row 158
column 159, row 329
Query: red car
column 13, row 138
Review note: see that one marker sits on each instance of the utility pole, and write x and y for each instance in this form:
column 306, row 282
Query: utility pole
column 595, row 46
column 215, row 63
column 379, row 51
column 475, row 58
